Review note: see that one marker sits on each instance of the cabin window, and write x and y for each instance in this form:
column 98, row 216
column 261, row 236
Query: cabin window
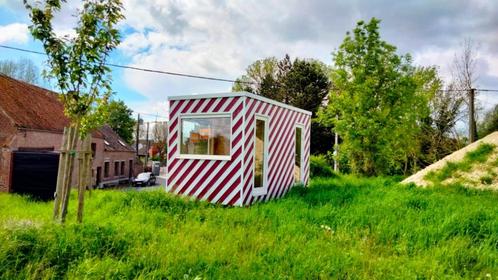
column 122, row 168
column 298, row 155
column 116, row 168
column 205, row 135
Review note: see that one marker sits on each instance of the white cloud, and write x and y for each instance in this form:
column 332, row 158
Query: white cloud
column 14, row 33
column 220, row 38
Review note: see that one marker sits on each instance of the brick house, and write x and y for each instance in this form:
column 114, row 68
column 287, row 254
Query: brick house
column 32, row 119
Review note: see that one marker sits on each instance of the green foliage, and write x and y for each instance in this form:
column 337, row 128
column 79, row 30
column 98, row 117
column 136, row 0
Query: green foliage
column 302, row 83
column 479, row 155
column 78, row 63
column 489, row 124
column 24, row 69
column 436, row 135
column 319, row 167
column 337, row 228
column 121, row 121
column 376, row 103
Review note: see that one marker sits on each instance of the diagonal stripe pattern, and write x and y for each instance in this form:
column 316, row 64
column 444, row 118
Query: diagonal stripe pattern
column 230, row 182
column 282, row 123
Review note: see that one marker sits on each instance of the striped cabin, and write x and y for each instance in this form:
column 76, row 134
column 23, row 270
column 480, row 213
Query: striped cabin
column 236, row 148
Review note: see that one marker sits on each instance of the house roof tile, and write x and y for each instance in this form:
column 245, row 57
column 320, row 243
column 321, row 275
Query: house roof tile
column 29, row 106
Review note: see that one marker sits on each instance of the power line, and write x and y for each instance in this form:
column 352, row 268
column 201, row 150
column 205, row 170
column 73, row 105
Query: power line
column 151, row 115
column 205, row 77
column 146, row 69
column 487, row 90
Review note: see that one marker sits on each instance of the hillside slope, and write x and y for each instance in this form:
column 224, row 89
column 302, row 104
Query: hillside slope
column 475, row 165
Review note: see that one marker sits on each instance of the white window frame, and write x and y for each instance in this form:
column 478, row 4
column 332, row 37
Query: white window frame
column 301, row 126
column 179, row 154
column 264, row 189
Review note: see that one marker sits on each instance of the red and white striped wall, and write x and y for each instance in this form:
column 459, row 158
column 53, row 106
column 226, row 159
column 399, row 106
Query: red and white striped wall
column 230, row 182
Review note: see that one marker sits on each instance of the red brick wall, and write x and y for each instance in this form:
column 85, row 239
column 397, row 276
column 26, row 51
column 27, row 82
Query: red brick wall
column 112, row 158
column 42, row 139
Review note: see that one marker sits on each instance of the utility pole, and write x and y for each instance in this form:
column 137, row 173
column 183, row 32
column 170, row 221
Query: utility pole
column 472, row 120
column 137, row 134
column 147, row 146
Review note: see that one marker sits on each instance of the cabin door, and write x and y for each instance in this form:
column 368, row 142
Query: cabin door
column 261, row 156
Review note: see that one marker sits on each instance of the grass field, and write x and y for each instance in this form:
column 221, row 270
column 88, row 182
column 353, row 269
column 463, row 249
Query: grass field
column 338, row 228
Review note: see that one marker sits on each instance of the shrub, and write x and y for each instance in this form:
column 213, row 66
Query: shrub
column 319, row 167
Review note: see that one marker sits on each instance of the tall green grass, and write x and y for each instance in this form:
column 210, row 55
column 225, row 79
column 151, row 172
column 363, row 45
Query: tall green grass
column 343, row 227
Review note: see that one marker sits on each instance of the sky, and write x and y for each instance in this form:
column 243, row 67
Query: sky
column 221, row 38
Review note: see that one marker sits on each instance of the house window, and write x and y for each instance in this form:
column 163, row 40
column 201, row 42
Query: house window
column 106, row 169
column 205, row 135
column 122, row 168
column 116, row 168
column 94, row 149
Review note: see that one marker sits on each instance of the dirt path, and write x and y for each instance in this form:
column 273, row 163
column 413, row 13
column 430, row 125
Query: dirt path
column 418, row 178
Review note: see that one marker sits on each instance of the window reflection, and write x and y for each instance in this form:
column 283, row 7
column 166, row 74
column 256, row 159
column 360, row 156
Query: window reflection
column 205, row 136
column 259, row 157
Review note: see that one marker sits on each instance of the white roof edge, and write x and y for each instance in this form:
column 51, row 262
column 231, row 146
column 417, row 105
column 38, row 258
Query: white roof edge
column 239, row 94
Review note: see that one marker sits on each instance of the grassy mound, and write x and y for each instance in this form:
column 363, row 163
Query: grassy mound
column 479, row 169
column 342, row 227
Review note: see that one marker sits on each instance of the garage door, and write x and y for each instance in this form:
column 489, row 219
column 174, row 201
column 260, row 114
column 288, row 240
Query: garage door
column 35, row 174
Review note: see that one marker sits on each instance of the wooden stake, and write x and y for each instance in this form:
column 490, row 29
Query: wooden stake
column 60, row 174
column 69, row 172
column 83, row 158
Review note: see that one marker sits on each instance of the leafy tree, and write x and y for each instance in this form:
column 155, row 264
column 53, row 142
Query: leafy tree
column 305, row 84
column 260, row 77
column 489, row 123
column 376, row 103
column 77, row 64
column 121, row 120
column 438, row 134
column 302, row 83
column 24, row 69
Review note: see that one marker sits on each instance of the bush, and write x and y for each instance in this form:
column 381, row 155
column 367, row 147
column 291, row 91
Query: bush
column 319, row 167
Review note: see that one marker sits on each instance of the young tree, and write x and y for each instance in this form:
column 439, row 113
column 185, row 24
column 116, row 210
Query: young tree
column 121, row 120
column 24, row 69
column 465, row 77
column 376, row 103
column 77, row 64
column 159, row 137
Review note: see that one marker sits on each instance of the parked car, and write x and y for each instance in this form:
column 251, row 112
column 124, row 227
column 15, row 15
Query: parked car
column 144, row 179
